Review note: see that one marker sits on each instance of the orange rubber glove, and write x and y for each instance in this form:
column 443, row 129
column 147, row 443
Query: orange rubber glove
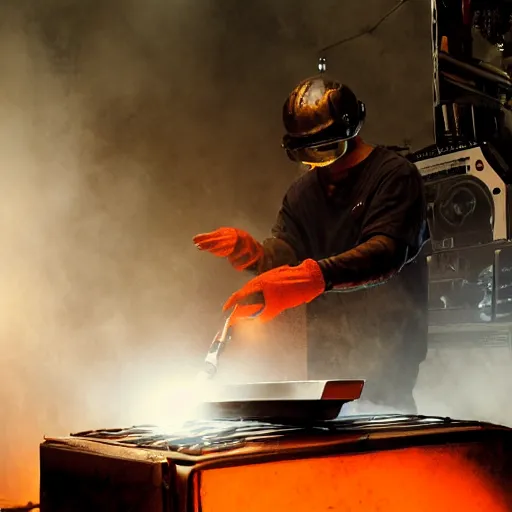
column 238, row 246
column 278, row 289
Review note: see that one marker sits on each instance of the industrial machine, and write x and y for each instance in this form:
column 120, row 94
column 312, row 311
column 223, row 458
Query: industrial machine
column 468, row 198
column 283, row 447
column 468, row 173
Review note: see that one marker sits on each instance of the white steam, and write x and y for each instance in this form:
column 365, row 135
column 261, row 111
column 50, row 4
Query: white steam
column 125, row 128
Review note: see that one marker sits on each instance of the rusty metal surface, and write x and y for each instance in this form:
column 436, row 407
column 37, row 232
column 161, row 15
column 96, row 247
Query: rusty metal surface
column 152, row 469
column 448, row 477
column 214, row 439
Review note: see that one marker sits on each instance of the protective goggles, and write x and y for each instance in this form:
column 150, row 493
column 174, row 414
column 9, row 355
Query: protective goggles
column 318, row 150
column 320, row 156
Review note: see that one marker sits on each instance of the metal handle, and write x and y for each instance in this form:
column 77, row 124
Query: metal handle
column 217, row 346
column 227, row 324
column 211, row 361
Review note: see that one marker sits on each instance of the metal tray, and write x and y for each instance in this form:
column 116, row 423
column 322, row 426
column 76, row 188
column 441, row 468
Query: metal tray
column 281, row 401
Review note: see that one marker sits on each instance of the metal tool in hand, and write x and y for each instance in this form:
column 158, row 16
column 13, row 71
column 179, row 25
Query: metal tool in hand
column 211, row 361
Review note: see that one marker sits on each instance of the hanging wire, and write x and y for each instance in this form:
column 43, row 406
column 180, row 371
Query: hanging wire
column 363, row 32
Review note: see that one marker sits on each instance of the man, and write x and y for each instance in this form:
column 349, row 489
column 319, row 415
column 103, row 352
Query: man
column 355, row 222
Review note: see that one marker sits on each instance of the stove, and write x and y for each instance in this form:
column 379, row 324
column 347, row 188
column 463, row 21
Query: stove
column 280, row 459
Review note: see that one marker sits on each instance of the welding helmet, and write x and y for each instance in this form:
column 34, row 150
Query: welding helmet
column 320, row 117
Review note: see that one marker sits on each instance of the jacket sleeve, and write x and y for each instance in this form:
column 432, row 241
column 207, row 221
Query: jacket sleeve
column 392, row 234
column 286, row 246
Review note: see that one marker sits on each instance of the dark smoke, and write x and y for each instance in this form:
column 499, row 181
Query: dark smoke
column 127, row 126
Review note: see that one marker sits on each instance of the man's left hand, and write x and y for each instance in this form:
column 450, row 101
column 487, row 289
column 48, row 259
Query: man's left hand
column 279, row 289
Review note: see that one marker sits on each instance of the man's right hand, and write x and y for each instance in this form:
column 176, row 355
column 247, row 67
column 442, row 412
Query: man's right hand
column 238, row 246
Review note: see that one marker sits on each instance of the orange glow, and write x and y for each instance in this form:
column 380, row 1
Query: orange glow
column 20, row 479
column 408, row 480
column 444, row 44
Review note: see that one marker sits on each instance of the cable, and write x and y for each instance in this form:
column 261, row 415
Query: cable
column 364, row 32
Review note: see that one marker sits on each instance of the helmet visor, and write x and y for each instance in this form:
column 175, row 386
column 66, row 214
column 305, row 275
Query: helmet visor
column 319, row 156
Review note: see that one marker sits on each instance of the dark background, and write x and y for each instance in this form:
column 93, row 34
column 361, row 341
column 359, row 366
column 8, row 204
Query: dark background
column 127, row 126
